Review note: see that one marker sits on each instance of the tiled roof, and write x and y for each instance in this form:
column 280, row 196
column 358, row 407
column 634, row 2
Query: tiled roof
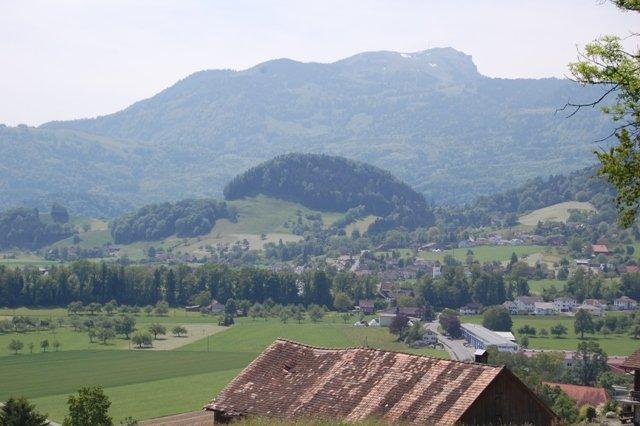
column 290, row 380
column 583, row 394
column 633, row 362
column 599, row 248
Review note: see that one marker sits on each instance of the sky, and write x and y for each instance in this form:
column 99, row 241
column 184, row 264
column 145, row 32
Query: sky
column 69, row 59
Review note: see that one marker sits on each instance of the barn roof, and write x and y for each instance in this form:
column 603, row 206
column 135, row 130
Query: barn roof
column 291, row 380
column 633, row 362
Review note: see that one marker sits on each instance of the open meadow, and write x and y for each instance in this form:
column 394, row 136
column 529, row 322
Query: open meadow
column 557, row 213
column 150, row 383
column 484, row 253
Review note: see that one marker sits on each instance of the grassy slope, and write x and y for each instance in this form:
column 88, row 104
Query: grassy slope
column 557, row 212
column 361, row 225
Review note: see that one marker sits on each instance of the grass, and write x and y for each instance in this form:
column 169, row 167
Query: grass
column 485, row 253
column 253, row 336
column 613, row 344
column 146, row 384
column 140, row 384
column 536, row 286
column 361, row 225
column 557, row 212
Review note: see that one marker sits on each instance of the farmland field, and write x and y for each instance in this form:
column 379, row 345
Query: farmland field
column 145, row 383
column 484, row 253
column 613, row 344
column 557, row 212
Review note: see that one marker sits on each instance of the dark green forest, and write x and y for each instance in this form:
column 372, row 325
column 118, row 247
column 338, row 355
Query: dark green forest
column 331, row 183
column 23, row 228
column 186, row 218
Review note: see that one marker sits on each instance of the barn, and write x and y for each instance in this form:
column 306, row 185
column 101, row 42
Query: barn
column 292, row 380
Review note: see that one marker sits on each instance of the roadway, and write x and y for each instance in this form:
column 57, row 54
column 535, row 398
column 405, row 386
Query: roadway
column 455, row 347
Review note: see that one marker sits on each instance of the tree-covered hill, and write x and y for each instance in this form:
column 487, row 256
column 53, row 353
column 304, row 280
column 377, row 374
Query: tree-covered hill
column 428, row 117
column 187, row 218
column 331, row 183
column 23, row 228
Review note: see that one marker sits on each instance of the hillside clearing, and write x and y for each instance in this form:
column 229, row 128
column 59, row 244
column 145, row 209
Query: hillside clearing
column 557, row 213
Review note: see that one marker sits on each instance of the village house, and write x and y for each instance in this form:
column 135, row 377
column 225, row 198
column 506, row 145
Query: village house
column 511, row 306
column 471, row 309
column 526, row 304
column 291, row 380
column 366, row 306
column 430, row 337
column 213, row 308
column 593, row 310
column 625, row 303
column 631, row 269
column 544, row 308
column 597, row 249
column 583, row 395
column 565, row 304
column 598, row 303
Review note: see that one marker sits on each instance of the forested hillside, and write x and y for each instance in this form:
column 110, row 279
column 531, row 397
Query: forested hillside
column 187, row 218
column 581, row 185
column 330, row 183
column 428, row 117
column 23, row 228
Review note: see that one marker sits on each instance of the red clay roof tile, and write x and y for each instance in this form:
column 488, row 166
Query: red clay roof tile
column 291, row 380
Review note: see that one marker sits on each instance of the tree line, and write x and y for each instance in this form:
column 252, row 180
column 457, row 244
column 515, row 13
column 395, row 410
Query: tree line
column 186, row 218
column 91, row 282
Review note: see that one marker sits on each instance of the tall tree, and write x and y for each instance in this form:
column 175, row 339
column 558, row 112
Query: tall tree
column 606, row 63
column 19, row 412
column 89, row 407
column 583, row 323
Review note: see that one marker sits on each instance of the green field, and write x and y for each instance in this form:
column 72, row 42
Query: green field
column 536, row 286
column 556, row 213
column 613, row 344
column 146, row 384
column 484, row 253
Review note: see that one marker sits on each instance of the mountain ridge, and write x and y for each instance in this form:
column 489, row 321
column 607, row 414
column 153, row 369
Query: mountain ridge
column 446, row 130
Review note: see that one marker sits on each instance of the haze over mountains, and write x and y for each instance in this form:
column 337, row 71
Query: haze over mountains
column 428, row 117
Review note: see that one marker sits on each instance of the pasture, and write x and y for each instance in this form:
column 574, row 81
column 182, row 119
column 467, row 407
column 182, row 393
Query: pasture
column 557, row 213
column 148, row 383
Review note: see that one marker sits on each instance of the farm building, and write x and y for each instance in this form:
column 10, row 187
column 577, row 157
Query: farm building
column 625, row 303
column 291, row 380
column 481, row 338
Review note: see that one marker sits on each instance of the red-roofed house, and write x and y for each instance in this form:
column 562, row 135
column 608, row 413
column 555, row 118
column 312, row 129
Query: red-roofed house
column 599, row 249
column 583, row 394
column 630, row 269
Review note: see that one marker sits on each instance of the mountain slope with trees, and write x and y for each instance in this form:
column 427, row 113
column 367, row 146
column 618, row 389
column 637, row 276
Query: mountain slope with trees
column 428, row 117
column 330, row 183
column 580, row 185
column 23, row 228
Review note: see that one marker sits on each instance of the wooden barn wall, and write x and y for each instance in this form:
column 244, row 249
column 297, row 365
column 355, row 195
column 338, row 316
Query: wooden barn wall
column 506, row 401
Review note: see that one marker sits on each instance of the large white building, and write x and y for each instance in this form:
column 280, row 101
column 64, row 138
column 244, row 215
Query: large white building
column 481, row 338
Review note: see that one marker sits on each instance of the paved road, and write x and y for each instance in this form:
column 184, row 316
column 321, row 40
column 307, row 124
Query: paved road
column 455, row 348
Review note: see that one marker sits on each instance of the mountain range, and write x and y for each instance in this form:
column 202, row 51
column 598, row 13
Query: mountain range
column 428, row 117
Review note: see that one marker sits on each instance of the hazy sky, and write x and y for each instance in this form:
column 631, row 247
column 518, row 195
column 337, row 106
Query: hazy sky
column 71, row 59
